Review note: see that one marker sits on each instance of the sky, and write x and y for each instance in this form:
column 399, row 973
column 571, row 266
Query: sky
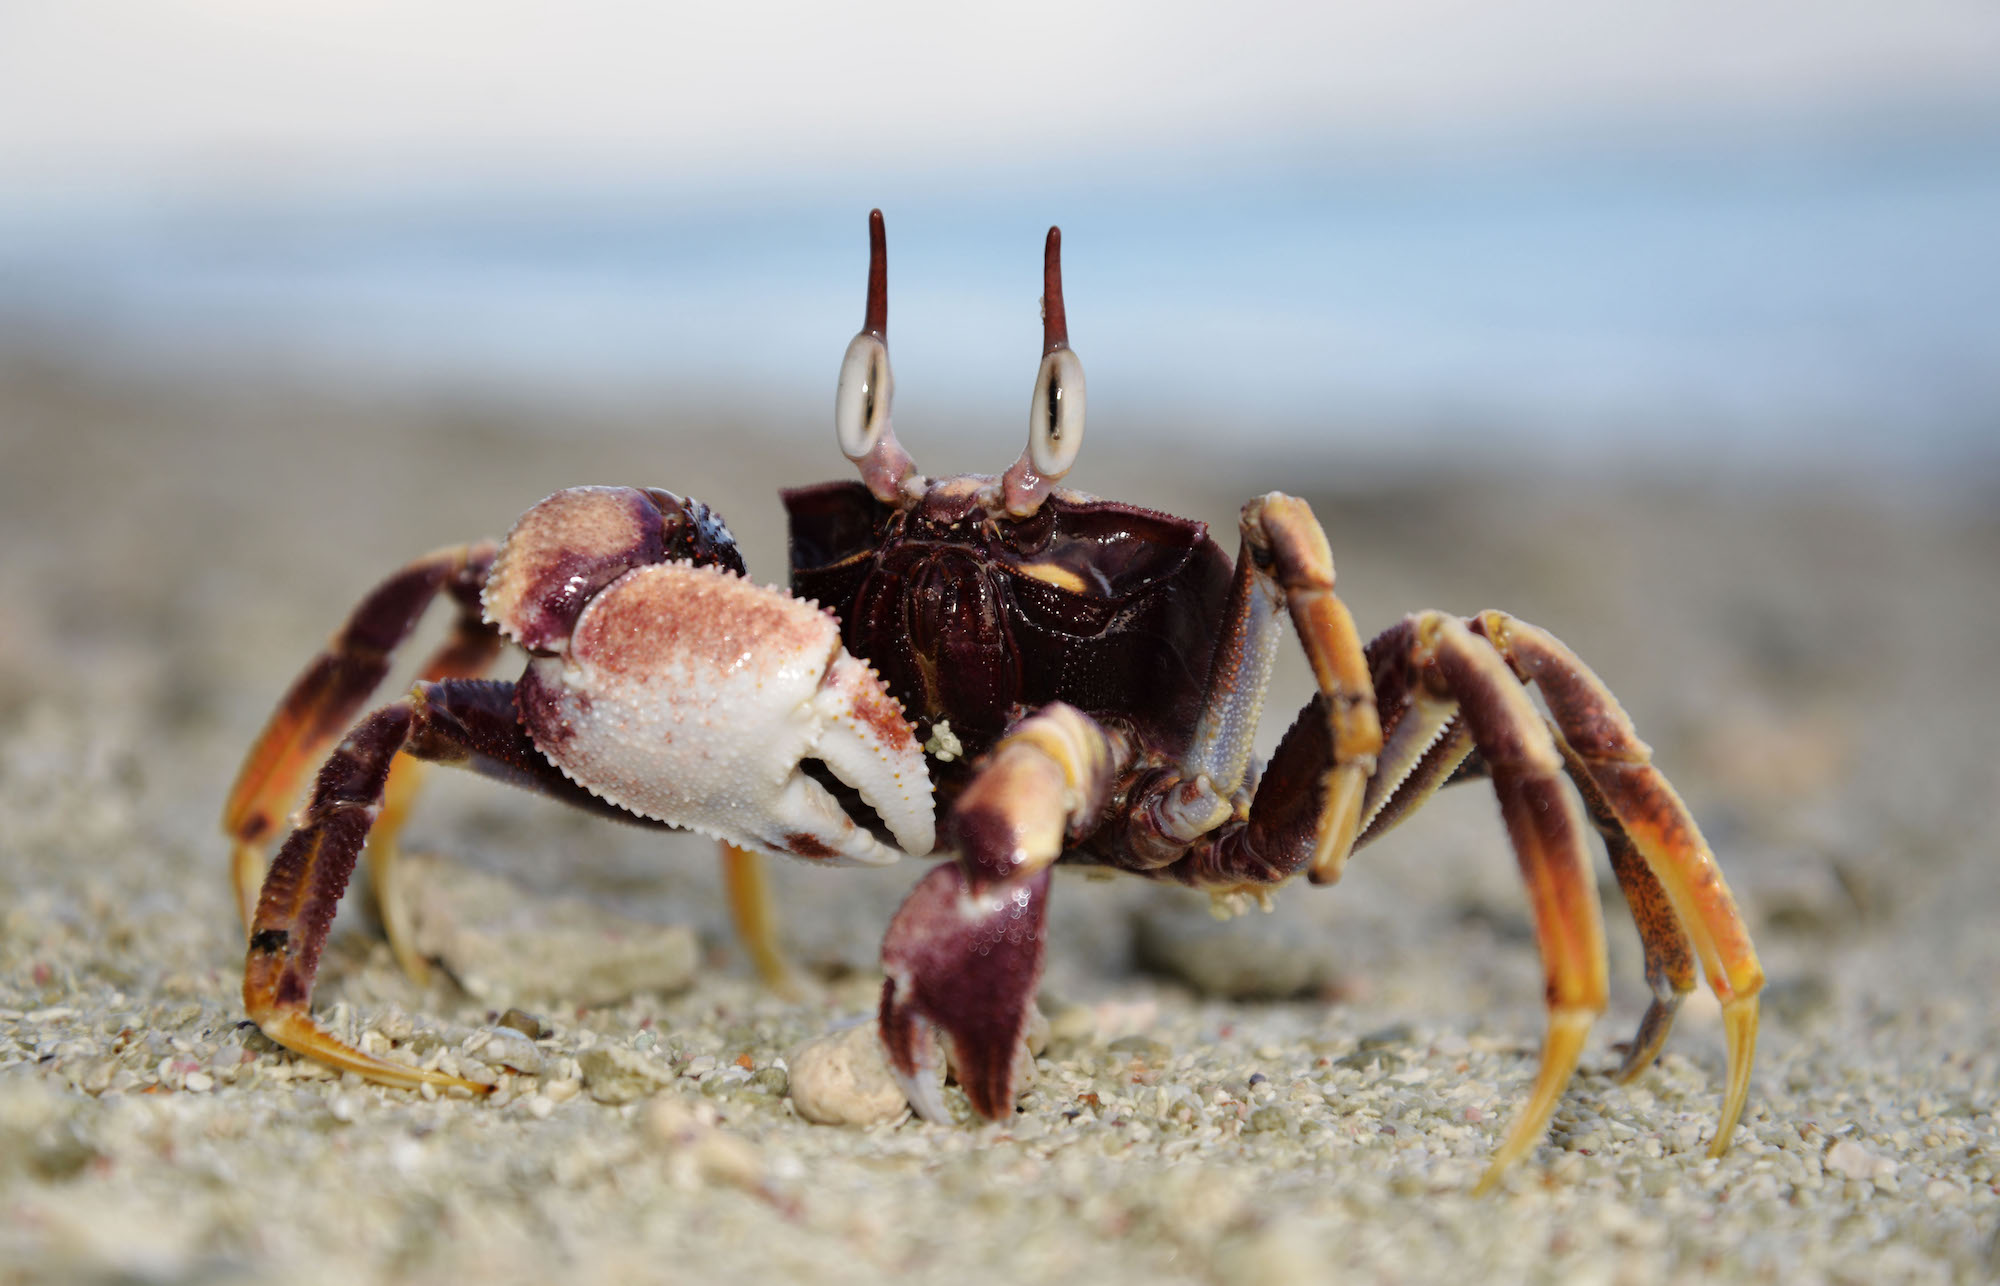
column 1691, row 228
column 245, row 92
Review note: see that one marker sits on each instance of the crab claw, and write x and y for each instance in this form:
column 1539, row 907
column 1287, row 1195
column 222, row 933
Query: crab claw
column 691, row 695
column 966, row 964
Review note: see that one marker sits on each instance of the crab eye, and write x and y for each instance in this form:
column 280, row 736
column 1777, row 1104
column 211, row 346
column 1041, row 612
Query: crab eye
column 1055, row 420
column 861, row 402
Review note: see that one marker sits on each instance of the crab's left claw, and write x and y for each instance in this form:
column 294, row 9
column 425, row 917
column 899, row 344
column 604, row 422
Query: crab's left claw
column 964, row 963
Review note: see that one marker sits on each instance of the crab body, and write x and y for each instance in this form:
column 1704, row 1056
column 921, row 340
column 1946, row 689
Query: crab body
column 1016, row 673
column 975, row 618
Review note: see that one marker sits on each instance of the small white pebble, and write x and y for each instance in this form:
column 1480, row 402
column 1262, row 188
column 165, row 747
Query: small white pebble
column 844, row 1079
column 199, row 1082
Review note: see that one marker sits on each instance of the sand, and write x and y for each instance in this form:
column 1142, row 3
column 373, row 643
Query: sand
column 1812, row 666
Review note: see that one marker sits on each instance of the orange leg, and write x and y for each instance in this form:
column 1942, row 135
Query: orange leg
column 1283, row 563
column 755, row 916
column 324, row 699
column 1650, row 815
column 465, row 722
column 1548, row 837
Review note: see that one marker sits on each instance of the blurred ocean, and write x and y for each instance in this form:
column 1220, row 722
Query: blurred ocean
column 1761, row 304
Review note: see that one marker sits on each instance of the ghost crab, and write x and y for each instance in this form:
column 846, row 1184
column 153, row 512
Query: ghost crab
column 1061, row 679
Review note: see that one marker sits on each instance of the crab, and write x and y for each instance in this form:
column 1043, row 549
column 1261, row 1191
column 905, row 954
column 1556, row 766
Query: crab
column 1007, row 671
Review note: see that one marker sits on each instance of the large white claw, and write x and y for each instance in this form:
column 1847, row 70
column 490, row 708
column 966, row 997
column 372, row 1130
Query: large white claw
column 690, row 695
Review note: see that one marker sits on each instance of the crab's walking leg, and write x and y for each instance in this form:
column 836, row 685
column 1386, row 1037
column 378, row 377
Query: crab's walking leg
column 1669, row 957
column 754, row 913
column 324, row 698
column 1547, row 833
column 1283, row 563
column 1427, row 747
column 465, row 722
column 1650, row 813
column 1430, row 751
column 964, row 952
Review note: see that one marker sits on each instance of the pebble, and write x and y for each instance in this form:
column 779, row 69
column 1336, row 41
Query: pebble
column 615, row 1074
column 1851, row 1160
column 508, row 1047
column 1267, row 1120
column 843, row 1079
column 1264, row 959
column 527, row 1024
column 1143, row 1047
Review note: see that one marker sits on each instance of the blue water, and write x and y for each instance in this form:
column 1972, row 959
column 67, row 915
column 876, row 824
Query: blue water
column 1742, row 300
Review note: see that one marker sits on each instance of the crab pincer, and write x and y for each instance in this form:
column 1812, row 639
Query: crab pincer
column 963, row 954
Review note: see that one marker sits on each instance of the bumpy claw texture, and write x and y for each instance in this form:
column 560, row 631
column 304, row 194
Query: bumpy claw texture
column 690, row 695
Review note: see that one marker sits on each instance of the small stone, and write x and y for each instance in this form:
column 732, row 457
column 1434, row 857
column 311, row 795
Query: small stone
column 772, row 1080
column 1385, row 1037
column 198, row 1082
column 61, row 1154
column 844, row 1079
column 1363, row 1059
column 522, row 1021
column 1142, row 1047
column 508, row 1047
column 1851, row 1160
column 1036, row 1031
column 1267, row 958
column 1267, row 1120
column 615, row 1074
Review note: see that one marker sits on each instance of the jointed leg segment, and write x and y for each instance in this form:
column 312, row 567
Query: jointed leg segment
column 465, row 722
column 1450, row 696
column 1547, row 833
column 1650, row 814
column 324, row 699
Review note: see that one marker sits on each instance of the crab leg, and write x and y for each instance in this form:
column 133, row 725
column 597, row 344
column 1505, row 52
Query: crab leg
column 1669, row 957
column 754, row 913
column 964, row 952
column 1283, row 562
column 1428, row 748
column 465, row 722
column 322, row 701
column 1547, row 832
column 1650, row 813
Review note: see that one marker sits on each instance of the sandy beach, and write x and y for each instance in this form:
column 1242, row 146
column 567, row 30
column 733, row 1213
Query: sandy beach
column 1812, row 666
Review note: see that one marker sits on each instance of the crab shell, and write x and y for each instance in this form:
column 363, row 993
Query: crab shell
column 689, row 694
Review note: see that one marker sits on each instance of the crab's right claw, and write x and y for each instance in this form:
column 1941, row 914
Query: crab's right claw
column 692, row 696
column 964, row 964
